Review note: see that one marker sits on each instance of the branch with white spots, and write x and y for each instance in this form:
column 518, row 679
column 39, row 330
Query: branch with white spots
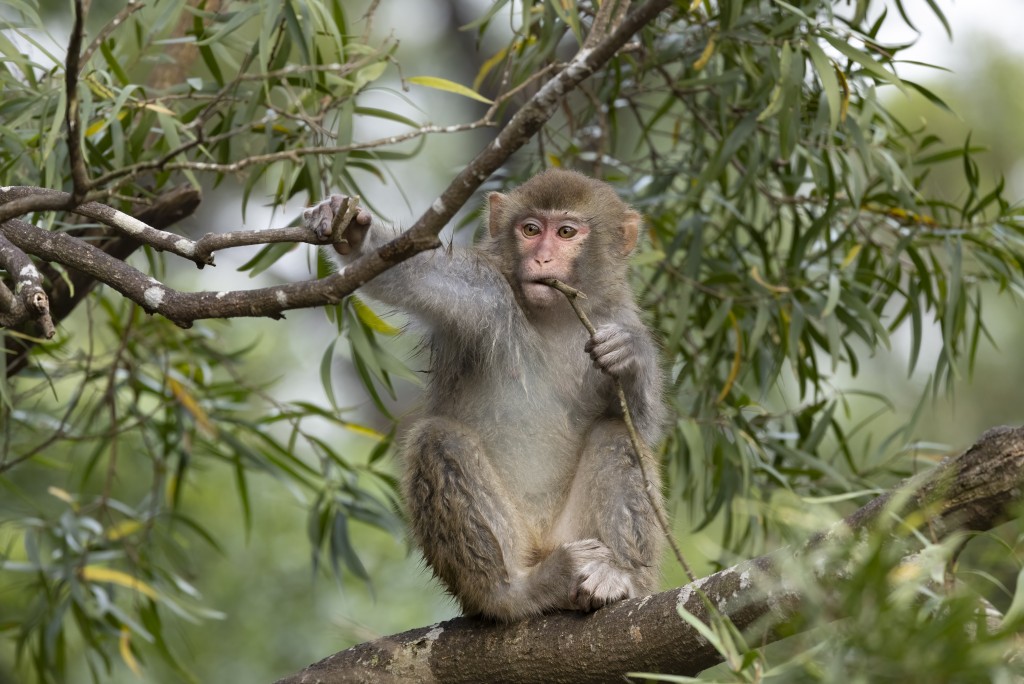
column 29, row 299
column 974, row 491
column 19, row 200
column 185, row 307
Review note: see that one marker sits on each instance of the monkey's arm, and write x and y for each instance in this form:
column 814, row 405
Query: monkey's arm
column 626, row 351
column 444, row 288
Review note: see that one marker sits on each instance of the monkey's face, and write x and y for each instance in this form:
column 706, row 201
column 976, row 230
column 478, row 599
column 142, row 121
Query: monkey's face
column 549, row 244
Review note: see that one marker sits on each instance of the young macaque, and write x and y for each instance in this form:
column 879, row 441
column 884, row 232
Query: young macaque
column 520, row 481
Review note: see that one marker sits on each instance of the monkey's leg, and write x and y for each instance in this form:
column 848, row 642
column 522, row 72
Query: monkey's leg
column 471, row 534
column 608, row 501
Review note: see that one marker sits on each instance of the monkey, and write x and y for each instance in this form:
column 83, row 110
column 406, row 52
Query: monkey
column 519, row 478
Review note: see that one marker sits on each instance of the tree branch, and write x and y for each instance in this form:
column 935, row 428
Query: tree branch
column 28, row 300
column 67, row 290
column 109, row 29
column 974, row 491
column 184, row 308
column 127, row 225
column 72, row 120
column 180, row 307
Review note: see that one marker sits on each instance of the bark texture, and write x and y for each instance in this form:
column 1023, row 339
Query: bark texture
column 973, row 491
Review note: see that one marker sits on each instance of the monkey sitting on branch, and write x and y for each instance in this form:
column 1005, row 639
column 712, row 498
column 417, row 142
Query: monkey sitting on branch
column 522, row 486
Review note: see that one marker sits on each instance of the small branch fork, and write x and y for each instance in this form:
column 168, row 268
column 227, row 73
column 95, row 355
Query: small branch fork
column 639, row 449
column 28, row 300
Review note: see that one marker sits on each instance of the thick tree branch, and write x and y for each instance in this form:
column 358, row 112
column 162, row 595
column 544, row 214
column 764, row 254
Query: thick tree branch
column 974, row 491
column 17, row 201
column 169, row 208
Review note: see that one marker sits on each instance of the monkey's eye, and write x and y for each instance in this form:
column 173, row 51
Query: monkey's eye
column 567, row 232
column 530, row 229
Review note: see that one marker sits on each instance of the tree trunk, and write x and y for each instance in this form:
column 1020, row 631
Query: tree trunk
column 973, row 491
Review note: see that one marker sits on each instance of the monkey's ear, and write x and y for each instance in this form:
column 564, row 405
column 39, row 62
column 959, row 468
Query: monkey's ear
column 495, row 215
column 630, row 231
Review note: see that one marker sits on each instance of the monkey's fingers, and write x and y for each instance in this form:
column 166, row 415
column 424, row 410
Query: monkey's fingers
column 611, row 350
column 320, row 217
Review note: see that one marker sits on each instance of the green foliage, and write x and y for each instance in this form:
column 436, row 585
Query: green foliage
column 128, row 431
column 896, row 614
column 114, row 424
column 251, row 88
column 790, row 236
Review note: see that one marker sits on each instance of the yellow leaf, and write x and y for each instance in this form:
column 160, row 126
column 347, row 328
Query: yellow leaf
column 488, row 65
column 734, row 371
column 705, row 56
column 124, row 645
column 365, row 431
column 60, row 494
column 449, row 86
column 850, row 256
column 191, row 406
column 100, row 90
column 95, row 128
column 756, row 275
column 159, row 109
column 375, row 322
column 123, row 529
column 97, row 573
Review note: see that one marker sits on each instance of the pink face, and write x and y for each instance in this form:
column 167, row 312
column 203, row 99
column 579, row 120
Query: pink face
column 548, row 243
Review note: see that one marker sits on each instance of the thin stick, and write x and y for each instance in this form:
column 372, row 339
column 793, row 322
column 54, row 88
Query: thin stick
column 574, row 295
column 347, row 211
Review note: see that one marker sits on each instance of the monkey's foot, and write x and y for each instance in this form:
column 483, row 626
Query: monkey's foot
column 597, row 581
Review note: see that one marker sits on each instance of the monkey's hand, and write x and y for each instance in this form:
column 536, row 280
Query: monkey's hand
column 613, row 349
column 596, row 580
column 321, row 219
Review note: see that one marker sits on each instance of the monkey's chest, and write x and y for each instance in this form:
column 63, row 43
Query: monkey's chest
column 531, row 411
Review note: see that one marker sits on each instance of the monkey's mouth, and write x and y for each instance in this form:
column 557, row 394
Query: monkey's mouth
column 539, row 293
column 546, row 280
